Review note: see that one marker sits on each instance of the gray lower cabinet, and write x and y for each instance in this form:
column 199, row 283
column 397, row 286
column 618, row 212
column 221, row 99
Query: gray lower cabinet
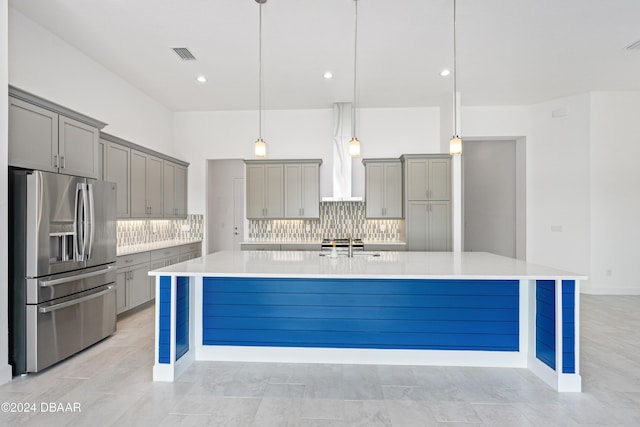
column 40, row 138
column 280, row 246
column 260, row 246
column 383, row 188
column 385, row 247
column 146, row 185
column 302, row 190
column 265, row 190
column 134, row 286
column 132, row 281
column 190, row 251
column 162, row 258
column 429, row 226
column 174, row 190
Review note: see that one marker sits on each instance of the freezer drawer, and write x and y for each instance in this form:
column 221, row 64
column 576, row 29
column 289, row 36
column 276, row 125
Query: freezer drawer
column 58, row 329
column 62, row 285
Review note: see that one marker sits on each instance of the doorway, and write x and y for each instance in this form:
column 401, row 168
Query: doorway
column 225, row 205
column 494, row 188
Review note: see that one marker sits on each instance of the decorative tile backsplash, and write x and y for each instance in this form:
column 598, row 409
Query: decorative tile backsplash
column 337, row 220
column 136, row 232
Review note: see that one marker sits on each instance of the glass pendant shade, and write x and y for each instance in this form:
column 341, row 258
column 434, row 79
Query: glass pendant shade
column 455, row 145
column 354, row 147
column 260, row 148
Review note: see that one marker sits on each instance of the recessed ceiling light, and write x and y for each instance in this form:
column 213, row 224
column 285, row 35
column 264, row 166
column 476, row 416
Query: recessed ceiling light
column 201, row 79
column 445, row 72
column 327, row 75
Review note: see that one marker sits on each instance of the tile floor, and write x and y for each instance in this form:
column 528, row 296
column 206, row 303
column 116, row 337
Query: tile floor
column 112, row 384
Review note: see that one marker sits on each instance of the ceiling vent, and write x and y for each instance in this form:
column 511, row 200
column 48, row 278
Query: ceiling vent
column 184, row 53
column 634, row 46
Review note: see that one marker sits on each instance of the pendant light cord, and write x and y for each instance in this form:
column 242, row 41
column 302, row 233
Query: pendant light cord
column 355, row 74
column 455, row 73
column 260, row 75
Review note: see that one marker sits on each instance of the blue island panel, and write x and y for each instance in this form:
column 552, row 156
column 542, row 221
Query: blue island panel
column 362, row 313
column 546, row 321
column 182, row 316
column 164, row 323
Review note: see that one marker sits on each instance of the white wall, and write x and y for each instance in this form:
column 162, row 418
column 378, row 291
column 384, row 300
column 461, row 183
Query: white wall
column 43, row 64
column 558, row 184
column 615, row 193
column 5, row 368
column 294, row 134
column 557, row 171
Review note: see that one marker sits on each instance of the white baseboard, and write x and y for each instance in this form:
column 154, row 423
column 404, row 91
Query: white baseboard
column 6, row 373
column 510, row 359
column 609, row 291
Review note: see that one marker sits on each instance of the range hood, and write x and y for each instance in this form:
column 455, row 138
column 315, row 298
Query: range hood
column 341, row 157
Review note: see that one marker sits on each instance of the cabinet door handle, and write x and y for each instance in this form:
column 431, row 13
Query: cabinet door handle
column 55, row 160
column 62, row 162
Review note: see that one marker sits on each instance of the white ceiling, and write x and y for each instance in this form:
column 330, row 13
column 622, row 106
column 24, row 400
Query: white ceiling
column 510, row 52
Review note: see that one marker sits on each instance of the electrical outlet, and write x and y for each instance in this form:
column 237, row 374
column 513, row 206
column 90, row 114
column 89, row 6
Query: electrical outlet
column 185, row 227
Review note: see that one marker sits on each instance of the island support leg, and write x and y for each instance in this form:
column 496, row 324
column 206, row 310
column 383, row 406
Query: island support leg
column 555, row 350
column 173, row 327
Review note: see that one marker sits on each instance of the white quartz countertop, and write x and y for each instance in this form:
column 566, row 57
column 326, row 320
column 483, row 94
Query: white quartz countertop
column 146, row 247
column 401, row 265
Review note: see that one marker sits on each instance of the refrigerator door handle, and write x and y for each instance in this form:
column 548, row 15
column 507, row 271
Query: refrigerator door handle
column 85, row 222
column 75, row 301
column 78, row 237
column 92, row 220
column 47, row 283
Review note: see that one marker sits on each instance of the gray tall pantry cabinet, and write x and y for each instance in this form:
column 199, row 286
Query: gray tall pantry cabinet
column 428, row 202
column 46, row 136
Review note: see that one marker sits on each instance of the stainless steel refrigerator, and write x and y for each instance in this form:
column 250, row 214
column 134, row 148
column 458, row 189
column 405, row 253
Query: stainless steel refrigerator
column 62, row 253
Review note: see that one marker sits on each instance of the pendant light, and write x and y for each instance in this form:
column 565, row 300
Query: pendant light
column 354, row 144
column 455, row 143
column 260, row 147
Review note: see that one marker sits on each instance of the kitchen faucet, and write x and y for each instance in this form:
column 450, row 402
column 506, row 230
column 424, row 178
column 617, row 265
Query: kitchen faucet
column 350, row 252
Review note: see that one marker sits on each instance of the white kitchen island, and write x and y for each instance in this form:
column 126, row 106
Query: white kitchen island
column 406, row 308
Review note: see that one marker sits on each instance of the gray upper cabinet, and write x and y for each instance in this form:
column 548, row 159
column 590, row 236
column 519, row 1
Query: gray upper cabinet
column 428, row 177
column 265, row 190
column 174, row 190
column 118, row 171
column 383, row 188
column 302, row 190
column 102, row 159
column 33, row 136
column 49, row 137
column 150, row 184
column 146, row 185
column 77, row 148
